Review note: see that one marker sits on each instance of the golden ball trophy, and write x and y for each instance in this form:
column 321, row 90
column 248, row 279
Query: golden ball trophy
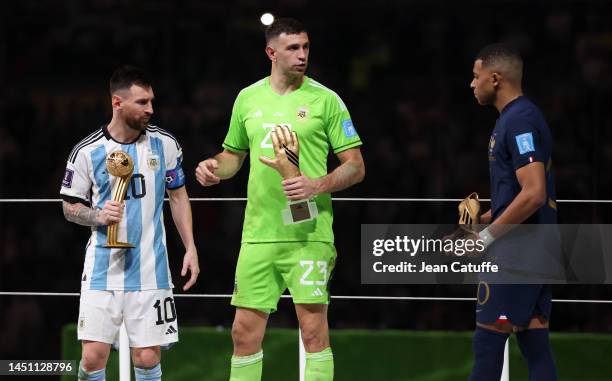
column 121, row 165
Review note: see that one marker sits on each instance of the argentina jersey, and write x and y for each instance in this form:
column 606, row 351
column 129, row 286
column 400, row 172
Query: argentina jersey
column 157, row 160
column 521, row 136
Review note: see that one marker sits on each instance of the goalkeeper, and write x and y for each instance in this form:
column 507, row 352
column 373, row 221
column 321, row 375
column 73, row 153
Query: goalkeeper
column 287, row 237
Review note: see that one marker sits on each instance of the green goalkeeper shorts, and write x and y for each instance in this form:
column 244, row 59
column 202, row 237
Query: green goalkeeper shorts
column 265, row 270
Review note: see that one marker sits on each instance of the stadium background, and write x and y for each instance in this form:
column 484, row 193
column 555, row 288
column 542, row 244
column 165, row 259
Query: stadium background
column 402, row 67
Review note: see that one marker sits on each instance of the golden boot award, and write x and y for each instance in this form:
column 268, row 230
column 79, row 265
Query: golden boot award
column 469, row 211
column 287, row 163
column 469, row 218
column 121, row 165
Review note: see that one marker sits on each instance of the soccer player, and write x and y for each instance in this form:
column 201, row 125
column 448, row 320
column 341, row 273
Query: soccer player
column 277, row 251
column 129, row 285
column 522, row 191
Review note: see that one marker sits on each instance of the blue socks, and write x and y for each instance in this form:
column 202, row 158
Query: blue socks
column 142, row 374
column 96, row 375
column 488, row 349
column 148, row 374
column 535, row 347
column 489, row 345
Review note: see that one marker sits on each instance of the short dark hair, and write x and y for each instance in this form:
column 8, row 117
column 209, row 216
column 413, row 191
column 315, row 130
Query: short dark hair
column 285, row 25
column 126, row 76
column 504, row 58
column 498, row 52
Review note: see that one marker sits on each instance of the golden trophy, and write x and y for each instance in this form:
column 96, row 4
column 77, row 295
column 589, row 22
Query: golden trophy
column 469, row 219
column 469, row 211
column 287, row 163
column 121, row 165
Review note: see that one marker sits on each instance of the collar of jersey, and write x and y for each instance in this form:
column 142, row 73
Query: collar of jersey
column 299, row 89
column 512, row 102
column 108, row 136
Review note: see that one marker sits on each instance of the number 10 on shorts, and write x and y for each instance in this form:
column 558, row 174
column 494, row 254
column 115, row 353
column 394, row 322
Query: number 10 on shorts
column 309, row 267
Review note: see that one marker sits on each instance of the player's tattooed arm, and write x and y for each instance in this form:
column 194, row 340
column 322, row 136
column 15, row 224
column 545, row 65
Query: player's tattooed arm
column 86, row 216
column 80, row 214
column 350, row 172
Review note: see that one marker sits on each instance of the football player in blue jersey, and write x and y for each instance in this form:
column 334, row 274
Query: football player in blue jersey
column 522, row 192
column 128, row 285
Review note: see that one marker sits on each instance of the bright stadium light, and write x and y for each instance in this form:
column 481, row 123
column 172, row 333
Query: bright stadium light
column 267, row 18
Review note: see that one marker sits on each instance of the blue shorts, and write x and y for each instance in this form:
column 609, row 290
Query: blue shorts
column 518, row 303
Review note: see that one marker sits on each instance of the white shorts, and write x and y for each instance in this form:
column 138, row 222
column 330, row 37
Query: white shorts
column 149, row 315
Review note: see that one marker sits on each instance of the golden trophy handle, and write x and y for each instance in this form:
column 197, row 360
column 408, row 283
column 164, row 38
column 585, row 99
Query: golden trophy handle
column 119, row 164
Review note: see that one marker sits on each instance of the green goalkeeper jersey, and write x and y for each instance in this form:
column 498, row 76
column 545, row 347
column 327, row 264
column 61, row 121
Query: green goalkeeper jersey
column 321, row 121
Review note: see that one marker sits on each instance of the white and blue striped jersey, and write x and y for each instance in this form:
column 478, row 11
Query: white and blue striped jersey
column 157, row 160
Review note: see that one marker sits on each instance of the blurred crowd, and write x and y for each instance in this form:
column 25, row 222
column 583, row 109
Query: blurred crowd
column 402, row 68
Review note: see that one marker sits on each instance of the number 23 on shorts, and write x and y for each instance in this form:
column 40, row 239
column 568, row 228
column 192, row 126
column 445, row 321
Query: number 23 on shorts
column 314, row 269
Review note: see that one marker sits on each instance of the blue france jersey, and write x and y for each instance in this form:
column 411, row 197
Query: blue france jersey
column 521, row 136
column 157, row 166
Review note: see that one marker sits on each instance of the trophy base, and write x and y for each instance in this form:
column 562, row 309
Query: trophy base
column 299, row 211
column 119, row 245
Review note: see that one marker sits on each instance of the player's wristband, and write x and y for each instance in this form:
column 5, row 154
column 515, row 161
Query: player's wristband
column 486, row 237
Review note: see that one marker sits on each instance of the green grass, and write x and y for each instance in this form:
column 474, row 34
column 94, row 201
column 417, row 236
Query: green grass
column 203, row 353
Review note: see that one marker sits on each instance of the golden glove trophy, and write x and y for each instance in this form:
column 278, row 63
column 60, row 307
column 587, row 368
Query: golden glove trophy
column 119, row 164
column 287, row 163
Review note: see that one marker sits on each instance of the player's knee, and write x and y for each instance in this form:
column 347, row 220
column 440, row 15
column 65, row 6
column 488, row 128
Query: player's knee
column 245, row 338
column 535, row 347
column 534, row 344
column 146, row 357
column 314, row 337
column 93, row 360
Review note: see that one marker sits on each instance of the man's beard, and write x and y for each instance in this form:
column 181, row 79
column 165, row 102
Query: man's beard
column 138, row 124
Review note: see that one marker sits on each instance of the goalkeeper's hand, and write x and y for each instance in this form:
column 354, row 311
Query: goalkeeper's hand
column 286, row 153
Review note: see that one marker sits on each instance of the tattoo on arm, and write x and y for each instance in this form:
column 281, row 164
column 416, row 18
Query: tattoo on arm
column 81, row 214
column 341, row 178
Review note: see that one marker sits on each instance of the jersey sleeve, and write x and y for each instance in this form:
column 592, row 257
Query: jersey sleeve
column 339, row 128
column 236, row 139
column 76, row 185
column 525, row 143
column 175, row 177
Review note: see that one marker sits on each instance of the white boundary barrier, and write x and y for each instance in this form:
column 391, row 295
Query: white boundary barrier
column 339, row 199
column 124, row 355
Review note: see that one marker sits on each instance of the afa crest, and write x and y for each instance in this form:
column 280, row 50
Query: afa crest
column 153, row 161
column 302, row 113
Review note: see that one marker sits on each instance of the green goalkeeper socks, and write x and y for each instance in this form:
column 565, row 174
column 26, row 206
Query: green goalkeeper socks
column 320, row 365
column 247, row 368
